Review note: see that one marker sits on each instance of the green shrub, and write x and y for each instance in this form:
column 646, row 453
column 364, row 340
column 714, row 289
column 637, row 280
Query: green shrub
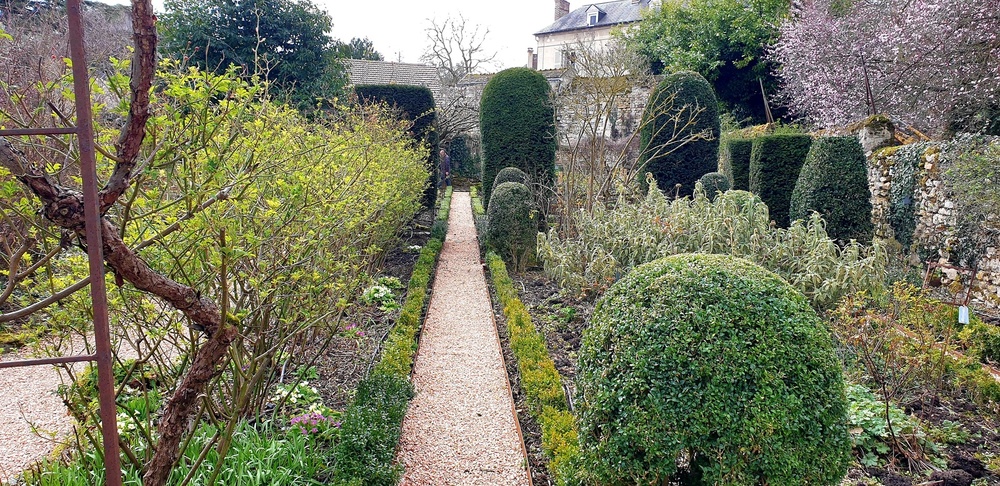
column 834, row 183
column 717, row 357
column 775, row 161
column 417, row 105
column 517, row 124
column 511, row 229
column 734, row 161
column 713, row 183
column 610, row 242
column 510, row 174
column 677, row 95
column 540, row 380
column 370, row 431
column 982, row 340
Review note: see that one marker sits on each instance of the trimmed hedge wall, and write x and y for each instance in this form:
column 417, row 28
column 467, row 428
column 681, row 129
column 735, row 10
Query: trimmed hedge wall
column 714, row 356
column 517, row 124
column 540, row 380
column 417, row 105
column 834, row 183
column 372, row 424
column 686, row 163
column 735, row 162
column 775, row 161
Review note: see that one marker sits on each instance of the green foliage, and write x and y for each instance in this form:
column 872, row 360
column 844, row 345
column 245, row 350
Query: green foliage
column 462, row 161
column 708, row 357
column 982, row 340
column 510, row 174
column 611, row 241
column 260, row 455
column 517, row 124
column 686, row 163
column 870, row 428
column 416, row 104
column 540, row 380
column 440, row 227
column 723, row 40
column 713, row 183
column 373, row 422
column 511, row 227
column 734, row 161
column 357, row 48
column 834, row 183
column 775, row 161
column 370, row 431
column 285, row 40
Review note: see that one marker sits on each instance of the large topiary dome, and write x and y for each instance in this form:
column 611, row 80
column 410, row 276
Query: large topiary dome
column 716, row 356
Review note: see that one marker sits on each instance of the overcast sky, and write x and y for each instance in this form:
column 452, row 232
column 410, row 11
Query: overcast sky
column 396, row 27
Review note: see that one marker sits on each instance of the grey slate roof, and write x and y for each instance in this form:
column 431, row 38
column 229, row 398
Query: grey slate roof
column 362, row 71
column 617, row 12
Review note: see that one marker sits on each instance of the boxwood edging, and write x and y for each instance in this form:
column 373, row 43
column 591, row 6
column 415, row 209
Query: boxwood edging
column 540, row 380
column 372, row 424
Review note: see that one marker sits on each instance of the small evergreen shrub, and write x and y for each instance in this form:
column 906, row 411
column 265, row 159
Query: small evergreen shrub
column 834, row 183
column 417, row 105
column 517, row 124
column 685, row 164
column 775, row 161
column 713, row 183
column 511, row 229
column 715, row 356
column 510, row 174
column 734, row 161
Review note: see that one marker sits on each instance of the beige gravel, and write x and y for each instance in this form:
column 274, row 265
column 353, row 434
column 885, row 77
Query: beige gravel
column 460, row 428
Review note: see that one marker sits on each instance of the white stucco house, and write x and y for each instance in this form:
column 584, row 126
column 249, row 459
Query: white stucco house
column 589, row 25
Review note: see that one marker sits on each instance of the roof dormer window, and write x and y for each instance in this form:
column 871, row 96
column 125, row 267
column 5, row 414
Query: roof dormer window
column 594, row 15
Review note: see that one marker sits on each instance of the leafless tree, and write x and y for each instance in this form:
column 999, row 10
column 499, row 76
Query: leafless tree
column 600, row 111
column 456, row 48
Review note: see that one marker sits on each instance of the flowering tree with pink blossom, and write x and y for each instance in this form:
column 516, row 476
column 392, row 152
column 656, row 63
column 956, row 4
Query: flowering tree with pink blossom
column 933, row 64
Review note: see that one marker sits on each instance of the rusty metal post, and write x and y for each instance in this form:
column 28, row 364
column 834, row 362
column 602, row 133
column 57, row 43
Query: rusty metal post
column 95, row 253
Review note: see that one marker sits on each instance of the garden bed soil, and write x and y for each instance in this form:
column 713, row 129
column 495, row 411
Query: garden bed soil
column 562, row 319
column 347, row 360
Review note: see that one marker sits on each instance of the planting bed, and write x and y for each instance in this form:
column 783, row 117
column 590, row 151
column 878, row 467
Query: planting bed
column 965, row 433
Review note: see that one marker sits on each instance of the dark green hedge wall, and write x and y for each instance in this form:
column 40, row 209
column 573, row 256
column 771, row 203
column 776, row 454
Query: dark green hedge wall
column 834, row 183
column 517, row 124
column 417, row 105
column 775, row 161
column 692, row 160
column 735, row 162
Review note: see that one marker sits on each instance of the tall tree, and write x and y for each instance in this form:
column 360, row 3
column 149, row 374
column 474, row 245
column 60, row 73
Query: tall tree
column 456, row 48
column 286, row 39
column 723, row 40
column 357, row 48
column 928, row 63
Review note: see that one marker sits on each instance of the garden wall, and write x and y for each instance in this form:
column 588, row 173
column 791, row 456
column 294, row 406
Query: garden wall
column 913, row 204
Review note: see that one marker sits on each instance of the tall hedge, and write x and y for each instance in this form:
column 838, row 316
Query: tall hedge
column 734, row 162
column 834, row 182
column 461, row 157
column 775, row 161
column 517, row 124
column 417, row 105
column 679, row 94
column 713, row 356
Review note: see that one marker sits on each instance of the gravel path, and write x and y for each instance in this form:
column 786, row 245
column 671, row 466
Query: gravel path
column 460, row 427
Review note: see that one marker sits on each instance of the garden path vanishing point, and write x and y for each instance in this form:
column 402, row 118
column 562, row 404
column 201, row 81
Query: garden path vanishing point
column 460, row 427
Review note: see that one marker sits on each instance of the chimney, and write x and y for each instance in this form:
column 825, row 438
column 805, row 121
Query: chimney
column 562, row 8
column 532, row 59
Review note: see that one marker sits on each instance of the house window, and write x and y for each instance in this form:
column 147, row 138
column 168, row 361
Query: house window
column 592, row 18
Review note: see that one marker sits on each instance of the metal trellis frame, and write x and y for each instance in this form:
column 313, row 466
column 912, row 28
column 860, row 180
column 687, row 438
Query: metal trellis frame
column 84, row 131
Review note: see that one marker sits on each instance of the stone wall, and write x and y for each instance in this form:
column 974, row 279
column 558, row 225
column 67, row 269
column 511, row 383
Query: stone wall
column 907, row 182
